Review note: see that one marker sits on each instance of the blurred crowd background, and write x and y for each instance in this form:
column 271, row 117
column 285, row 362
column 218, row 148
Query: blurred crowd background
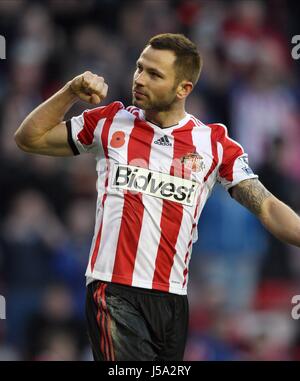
column 241, row 279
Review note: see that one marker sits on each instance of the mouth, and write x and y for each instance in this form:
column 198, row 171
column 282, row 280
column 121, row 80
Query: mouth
column 138, row 94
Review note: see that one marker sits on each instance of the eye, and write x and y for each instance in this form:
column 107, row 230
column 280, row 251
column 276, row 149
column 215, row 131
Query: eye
column 139, row 68
column 154, row 75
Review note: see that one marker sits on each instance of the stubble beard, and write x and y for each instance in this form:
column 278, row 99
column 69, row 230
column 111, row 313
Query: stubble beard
column 155, row 106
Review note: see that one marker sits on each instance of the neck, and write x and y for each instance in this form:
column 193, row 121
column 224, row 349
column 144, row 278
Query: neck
column 167, row 118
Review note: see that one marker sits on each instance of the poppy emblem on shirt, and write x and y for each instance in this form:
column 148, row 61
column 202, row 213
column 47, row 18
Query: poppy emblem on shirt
column 193, row 161
column 118, row 139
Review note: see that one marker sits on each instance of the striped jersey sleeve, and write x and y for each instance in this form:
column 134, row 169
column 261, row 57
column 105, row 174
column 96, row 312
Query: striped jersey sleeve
column 234, row 166
column 84, row 131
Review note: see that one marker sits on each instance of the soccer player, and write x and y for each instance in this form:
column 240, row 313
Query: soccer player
column 156, row 167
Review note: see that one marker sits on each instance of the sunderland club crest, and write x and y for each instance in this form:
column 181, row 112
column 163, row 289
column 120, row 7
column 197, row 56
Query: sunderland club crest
column 193, row 161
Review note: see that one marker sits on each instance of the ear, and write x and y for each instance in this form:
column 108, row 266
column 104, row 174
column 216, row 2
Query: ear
column 184, row 89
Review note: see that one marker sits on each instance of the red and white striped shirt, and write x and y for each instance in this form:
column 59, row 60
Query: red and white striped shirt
column 152, row 186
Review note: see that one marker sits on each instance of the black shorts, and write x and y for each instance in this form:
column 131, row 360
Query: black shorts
column 134, row 324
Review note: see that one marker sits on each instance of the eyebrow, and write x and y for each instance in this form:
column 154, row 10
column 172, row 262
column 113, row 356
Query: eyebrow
column 151, row 69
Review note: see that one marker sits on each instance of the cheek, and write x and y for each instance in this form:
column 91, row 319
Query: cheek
column 165, row 91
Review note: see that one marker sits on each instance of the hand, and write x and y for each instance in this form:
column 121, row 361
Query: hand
column 89, row 87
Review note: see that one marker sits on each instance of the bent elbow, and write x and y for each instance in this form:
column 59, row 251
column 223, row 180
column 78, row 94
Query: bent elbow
column 20, row 142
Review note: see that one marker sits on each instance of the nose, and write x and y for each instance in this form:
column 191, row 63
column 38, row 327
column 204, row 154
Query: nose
column 139, row 79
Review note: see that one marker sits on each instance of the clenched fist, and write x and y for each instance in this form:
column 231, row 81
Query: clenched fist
column 89, row 87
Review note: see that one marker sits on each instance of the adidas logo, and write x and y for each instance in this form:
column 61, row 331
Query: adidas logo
column 164, row 141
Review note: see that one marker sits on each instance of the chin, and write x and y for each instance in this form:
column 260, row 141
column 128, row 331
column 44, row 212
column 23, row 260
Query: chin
column 138, row 104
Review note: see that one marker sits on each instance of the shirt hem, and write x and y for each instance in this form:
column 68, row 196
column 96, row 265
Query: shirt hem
column 96, row 275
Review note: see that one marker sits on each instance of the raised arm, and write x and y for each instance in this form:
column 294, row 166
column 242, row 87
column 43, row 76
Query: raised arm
column 277, row 217
column 43, row 131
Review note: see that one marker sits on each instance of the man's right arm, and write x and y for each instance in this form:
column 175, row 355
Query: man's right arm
column 43, row 131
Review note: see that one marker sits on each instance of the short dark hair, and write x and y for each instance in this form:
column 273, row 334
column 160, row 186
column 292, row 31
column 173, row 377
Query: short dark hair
column 188, row 61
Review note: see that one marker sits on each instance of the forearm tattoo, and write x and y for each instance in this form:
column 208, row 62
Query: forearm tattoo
column 251, row 194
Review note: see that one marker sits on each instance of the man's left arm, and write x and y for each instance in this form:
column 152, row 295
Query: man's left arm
column 278, row 218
